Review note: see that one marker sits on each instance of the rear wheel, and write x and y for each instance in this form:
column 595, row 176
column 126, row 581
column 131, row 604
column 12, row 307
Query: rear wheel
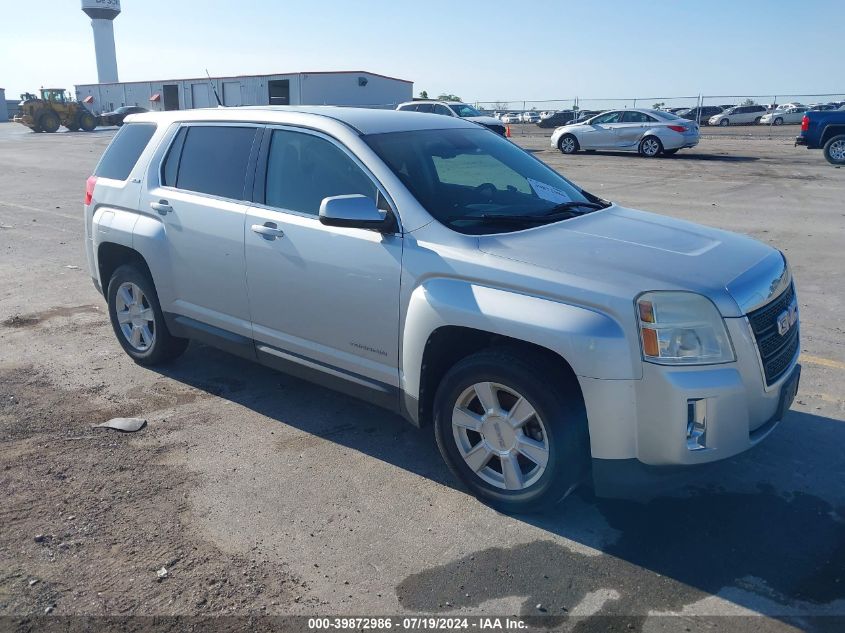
column 568, row 144
column 49, row 122
column 510, row 432
column 650, row 147
column 724, row 123
column 757, row 120
column 137, row 319
column 834, row 150
column 87, row 121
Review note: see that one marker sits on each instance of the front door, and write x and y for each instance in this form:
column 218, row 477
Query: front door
column 600, row 133
column 324, row 297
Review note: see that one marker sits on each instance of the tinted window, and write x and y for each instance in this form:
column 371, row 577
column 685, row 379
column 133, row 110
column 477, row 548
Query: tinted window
column 302, row 169
column 442, row 109
column 636, row 117
column 408, row 108
column 214, row 160
column 425, row 107
column 171, row 163
column 125, row 150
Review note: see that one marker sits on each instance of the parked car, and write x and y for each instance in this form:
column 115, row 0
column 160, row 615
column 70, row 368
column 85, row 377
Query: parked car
column 701, row 114
column 676, row 110
column 825, row 130
column 557, row 119
column 530, row 117
column 794, row 104
column 781, row 116
column 651, row 344
column 583, row 115
column 511, row 117
column 453, row 109
column 739, row 115
column 116, row 116
column 545, row 114
column 822, row 107
column 649, row 132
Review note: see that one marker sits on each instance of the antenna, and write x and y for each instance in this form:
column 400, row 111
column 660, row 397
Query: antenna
column 214, row 88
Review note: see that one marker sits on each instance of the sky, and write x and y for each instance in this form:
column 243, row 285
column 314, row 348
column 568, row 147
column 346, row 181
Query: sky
column 480, row 51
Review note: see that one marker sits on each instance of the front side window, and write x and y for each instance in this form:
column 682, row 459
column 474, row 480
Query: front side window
column 425, row 107
column 463, row 110
column 477, row 182
column 439, row 108
column 607, row 117
column 213, row 160
column 302, row 169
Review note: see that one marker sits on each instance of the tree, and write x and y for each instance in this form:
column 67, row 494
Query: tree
column 445, row 97
column 748, row 102
column 657, row 106
column 423, row 94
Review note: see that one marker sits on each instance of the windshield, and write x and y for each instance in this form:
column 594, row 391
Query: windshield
column 476, row 182
column 461, row 109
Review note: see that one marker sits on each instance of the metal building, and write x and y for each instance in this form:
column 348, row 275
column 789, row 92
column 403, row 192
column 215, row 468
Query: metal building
column 4, row 112
column 347, row 88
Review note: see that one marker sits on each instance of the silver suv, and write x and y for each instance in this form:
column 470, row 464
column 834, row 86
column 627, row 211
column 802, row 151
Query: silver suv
column 433, row 267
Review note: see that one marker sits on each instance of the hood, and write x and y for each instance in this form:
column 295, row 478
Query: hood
column 484, row 120
column 625, row 252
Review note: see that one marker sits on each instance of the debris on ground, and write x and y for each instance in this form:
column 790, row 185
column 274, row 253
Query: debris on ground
column 125, row 425
column 162, row 573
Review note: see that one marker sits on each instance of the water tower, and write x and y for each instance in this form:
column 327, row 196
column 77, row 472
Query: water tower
column 102, row 13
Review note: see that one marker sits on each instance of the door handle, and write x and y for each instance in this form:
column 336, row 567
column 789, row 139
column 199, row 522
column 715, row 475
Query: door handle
column 268, row 230
column 162, row 206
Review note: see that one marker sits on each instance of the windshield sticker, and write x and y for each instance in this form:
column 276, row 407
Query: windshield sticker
column 547, row 192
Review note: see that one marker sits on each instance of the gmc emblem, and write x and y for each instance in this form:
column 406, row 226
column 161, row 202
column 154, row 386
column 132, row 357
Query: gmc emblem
column 788, row 318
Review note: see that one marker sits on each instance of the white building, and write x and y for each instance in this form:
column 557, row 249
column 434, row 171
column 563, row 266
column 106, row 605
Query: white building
column 4, row 113
column 348, row 88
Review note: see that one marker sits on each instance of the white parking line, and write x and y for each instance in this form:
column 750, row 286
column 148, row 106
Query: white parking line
column 23, row 207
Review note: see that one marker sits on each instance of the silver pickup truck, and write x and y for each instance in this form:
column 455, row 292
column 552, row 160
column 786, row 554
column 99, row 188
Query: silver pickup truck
column 431, row 266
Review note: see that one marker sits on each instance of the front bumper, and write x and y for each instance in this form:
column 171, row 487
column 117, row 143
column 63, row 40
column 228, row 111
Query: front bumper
column 647, row 420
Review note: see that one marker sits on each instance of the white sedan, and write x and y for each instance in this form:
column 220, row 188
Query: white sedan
column 510, row 117
column 648, row 132
column 781, row 116
column 530, row 117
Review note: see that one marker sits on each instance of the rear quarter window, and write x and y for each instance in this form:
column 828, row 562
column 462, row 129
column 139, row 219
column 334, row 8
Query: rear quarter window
column 124, row 151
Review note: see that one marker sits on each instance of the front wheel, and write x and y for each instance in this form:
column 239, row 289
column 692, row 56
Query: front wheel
column 510, row 429
column 568, row 144
column 650, row 147
column 757, row 120
column 137, row 319
column 834, row 150
column 49, row 122
column 724, row 123
column 778, row 121
column 87, row 121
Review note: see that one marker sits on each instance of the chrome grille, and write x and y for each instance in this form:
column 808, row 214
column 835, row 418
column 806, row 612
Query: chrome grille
column 776, row 351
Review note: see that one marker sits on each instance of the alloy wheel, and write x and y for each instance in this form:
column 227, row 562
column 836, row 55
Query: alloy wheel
column 567, row 145
column 837, row 151
column 500, row 436
column 651, row 147
column 135, row 316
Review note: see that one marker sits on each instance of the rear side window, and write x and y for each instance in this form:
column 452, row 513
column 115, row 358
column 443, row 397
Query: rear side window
column 125, row 150
column 213, row 160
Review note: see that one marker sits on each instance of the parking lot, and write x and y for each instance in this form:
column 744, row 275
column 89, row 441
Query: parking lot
column 262, row 494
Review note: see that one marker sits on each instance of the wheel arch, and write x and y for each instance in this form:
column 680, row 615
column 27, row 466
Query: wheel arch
column 449, row 319
column 110, row 256
column 829, row 132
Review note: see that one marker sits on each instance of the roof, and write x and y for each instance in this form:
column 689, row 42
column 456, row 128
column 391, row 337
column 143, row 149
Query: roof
column 315, row 72
column 363, row 120
column 434, row 101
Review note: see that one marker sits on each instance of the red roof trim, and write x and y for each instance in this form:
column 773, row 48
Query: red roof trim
column 314, row 72
column 156, row 97
column 88, row 99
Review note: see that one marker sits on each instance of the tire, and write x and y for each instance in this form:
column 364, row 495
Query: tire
column 87, row 121
column 834, row 150
column 670, row 152
column 568, row 144
column 155, row 345
column 49, row 122
column 757, row 120
column 724, row 123
column 555, row 431
column 778, row 121
column 650, row 147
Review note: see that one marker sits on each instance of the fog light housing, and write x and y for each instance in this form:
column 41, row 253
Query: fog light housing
column 696, row 424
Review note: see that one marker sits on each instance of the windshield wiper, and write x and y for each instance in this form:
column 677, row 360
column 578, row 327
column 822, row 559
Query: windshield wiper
column 573, row 204
column 495, row 218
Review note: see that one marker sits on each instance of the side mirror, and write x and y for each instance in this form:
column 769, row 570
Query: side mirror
column 354, row 211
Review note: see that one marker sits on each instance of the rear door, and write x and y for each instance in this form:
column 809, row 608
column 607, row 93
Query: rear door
column 320, row 296
column 200, row 201
column 631, row 129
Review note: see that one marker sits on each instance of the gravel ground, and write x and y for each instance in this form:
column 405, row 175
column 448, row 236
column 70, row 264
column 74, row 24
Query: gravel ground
column 261, row 494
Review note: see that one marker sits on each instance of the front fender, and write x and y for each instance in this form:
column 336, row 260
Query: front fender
column 591, row 342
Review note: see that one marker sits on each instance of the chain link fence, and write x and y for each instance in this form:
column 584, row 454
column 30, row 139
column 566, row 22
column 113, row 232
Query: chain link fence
column 584, row 106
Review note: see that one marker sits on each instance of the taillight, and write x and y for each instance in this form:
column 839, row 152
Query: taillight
column 89, row 189
column 678, row 128
column 805, row 123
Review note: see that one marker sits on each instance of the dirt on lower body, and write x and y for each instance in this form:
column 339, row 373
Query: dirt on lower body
column 97, row 522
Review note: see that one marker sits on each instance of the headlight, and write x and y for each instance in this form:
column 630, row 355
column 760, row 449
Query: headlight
column 682, row 328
